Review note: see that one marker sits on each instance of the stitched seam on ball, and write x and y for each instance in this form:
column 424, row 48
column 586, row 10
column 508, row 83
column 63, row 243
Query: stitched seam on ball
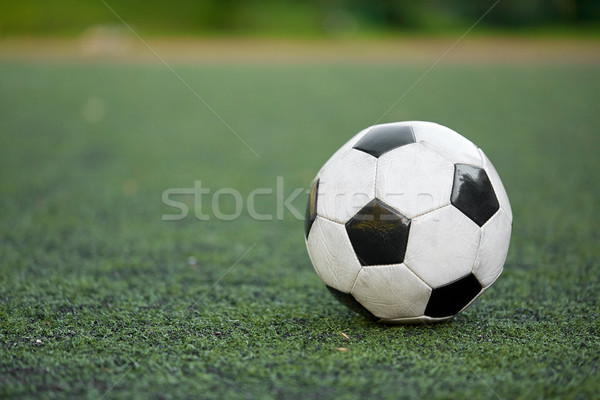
column 355, row 279
column 430, row 211
column 456, row 162
column 437, row 152
column 478, row 252
column 347, row 238
column 417, row 275
column 330, row 220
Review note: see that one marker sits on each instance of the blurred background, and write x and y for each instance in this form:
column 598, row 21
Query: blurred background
column 296, row 17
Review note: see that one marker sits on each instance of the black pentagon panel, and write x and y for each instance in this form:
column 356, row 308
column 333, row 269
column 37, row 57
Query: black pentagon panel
column 381, row 139
column 473, row 193
column 378, row 234
column 311, row 208
column 446, row 301
column 349, row 301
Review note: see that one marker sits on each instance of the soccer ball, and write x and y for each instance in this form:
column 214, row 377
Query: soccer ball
column 408, row 222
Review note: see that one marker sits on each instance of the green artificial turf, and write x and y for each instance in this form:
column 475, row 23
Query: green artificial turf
column 101, row 298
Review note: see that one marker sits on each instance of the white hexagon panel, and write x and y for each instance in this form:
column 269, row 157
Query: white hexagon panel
column 346, row 184
column 495, row 239
column 331, row 254
column 442, row 246
column 414, row 179
column 391, row 292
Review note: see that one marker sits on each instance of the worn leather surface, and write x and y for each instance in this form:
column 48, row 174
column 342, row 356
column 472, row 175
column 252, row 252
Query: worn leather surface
column 444, row 248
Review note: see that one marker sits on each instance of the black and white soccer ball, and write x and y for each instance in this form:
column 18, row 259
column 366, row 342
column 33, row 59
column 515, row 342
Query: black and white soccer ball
column 408, row 222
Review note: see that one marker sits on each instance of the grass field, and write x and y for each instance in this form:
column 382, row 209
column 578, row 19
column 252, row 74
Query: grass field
column 101, row 298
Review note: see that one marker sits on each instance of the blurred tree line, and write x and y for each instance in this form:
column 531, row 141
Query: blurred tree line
column 293, row 17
